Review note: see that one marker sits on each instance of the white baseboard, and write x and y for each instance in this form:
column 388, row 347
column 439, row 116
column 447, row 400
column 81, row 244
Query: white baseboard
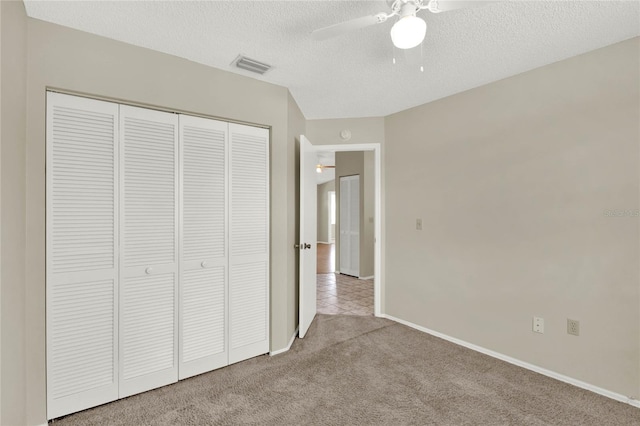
column 523, row 364
column 323, row 242
column 366, row 278
column 283, row 350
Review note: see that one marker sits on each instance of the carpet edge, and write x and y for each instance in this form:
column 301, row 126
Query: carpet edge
column 540, row 370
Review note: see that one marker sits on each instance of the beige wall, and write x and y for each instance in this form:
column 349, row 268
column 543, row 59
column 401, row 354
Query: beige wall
column 323, row 210
column 296, row 127
column 363, row 130
column 350, row 163
column 13, row 27
column 511, row 181
column 63, row 58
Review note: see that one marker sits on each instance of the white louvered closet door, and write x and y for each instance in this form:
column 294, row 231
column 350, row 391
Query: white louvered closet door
column 82, row 253
column 203, row 263
column 350, row 225
column 354, row 225
column 149, row 250
column 249, row 242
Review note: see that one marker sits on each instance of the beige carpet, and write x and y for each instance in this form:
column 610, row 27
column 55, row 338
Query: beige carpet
column 362, row 370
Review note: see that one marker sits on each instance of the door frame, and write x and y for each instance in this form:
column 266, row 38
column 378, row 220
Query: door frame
column 378, row 278
column 334, row 212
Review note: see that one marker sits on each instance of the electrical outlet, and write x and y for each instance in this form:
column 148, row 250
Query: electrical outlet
column 538, row 325
column 419, row 224
column 573, row 327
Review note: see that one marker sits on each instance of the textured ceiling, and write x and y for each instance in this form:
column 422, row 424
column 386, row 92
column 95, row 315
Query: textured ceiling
column 353, row 75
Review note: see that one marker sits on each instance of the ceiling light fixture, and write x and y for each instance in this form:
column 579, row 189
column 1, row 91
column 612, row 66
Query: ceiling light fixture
column 410, row 30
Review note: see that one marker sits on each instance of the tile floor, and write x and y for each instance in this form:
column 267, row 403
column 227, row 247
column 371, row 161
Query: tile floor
column 342, row 294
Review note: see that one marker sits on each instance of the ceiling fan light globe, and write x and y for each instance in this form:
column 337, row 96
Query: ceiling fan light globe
column 408, row 32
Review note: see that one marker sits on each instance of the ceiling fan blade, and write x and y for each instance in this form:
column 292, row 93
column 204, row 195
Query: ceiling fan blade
column 344, row 27
column 447, row 5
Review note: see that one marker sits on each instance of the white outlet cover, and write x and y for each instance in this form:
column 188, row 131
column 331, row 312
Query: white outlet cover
column 538, row 324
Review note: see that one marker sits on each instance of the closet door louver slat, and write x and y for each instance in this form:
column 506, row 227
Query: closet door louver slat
column 149, row 241
column 82, row 286
column 203, row 266
column 249, row 242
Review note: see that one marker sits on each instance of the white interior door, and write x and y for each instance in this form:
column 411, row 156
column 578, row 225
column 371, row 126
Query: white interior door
column 308, row 234
column 82, row 253
column 203, row 255
column 350, row 225
column 149, row 250
column 248, row 242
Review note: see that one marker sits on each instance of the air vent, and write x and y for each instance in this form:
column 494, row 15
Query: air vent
column 251, row 65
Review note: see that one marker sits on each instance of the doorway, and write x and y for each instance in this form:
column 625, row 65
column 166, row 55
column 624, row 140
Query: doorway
column 308, row 239
column 343, row 287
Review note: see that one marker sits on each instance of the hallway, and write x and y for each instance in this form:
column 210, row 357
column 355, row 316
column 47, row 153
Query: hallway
column 337, row 293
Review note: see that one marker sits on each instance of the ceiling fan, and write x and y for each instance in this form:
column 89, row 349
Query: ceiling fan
column 320, row 167
column 409, row 30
